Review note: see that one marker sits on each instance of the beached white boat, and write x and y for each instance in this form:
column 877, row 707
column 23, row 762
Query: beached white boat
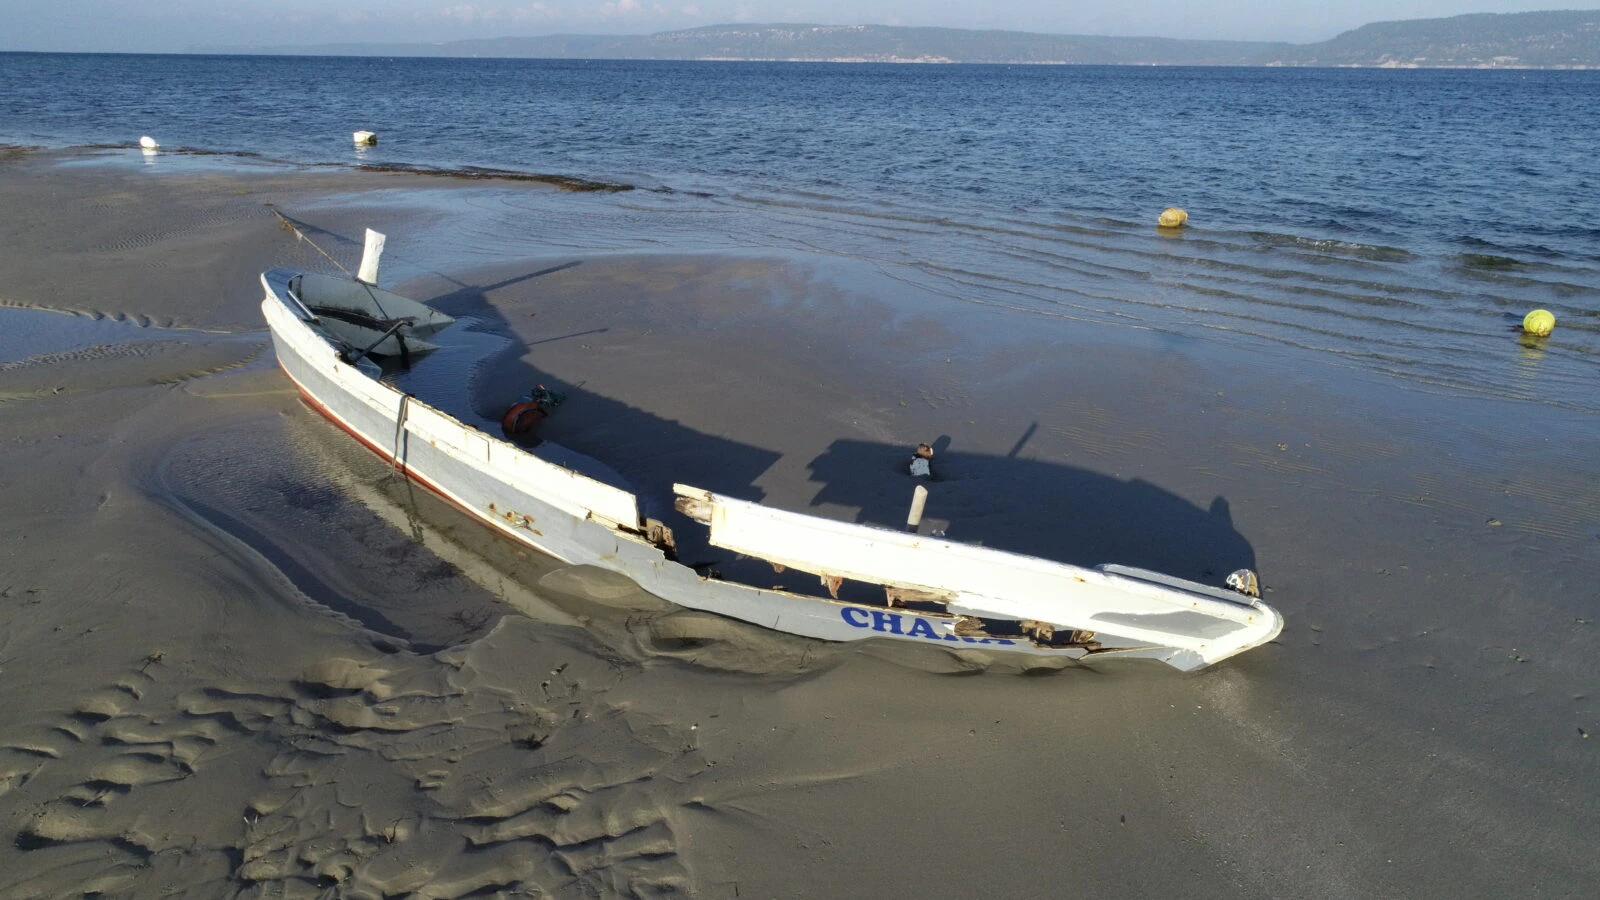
column 927, row 589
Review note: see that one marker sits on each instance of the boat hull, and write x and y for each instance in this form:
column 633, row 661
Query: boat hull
column 581, row 521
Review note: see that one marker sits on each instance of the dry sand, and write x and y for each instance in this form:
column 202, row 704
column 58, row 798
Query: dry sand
column 238, row 657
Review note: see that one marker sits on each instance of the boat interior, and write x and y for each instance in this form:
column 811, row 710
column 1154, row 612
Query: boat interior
column 366, row 319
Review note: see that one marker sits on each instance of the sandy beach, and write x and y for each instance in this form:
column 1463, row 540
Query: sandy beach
column 240, row 657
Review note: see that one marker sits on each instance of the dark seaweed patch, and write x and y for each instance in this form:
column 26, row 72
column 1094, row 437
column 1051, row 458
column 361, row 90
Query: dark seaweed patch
column 564, row 182
column 1490, row 261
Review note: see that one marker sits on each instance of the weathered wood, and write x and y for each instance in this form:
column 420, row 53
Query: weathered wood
column 693, row 503
column 895, row 595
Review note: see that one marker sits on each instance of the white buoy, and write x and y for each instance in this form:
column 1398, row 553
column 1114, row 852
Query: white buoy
column 369, row 258
column 148, row 142
column 365, row 138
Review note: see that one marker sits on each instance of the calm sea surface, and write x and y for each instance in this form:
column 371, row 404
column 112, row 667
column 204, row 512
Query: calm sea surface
column 1390, row 220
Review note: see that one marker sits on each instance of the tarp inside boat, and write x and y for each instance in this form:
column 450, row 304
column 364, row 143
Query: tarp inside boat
column 364, row 316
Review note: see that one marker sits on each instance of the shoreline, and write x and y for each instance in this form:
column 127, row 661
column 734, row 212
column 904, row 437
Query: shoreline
column 1432, row 552
column 1389, row 331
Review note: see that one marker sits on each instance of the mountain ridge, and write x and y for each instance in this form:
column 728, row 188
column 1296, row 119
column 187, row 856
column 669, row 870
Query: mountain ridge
column 1562, row 39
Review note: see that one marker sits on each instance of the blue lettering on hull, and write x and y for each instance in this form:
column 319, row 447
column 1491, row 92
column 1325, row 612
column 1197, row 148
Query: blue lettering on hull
column 896, row 623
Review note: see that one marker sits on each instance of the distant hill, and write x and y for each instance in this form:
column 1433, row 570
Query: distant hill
column 1531, row 40
column 1568, row 39
column 831, row 43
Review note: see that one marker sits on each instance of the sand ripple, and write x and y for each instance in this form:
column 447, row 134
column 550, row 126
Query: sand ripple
column 388, row 774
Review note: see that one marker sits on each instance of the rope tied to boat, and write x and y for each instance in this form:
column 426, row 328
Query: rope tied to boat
column 396, row 463
column 302, row 236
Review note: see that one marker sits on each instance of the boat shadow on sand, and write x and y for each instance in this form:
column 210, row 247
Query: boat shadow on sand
column 1037, row 508
column 1006, row 502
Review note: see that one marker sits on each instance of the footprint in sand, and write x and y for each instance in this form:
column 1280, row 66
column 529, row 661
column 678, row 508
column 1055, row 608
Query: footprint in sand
column 89, row 759
column 483, row 768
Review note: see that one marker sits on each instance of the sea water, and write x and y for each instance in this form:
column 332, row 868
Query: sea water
column 1400, row 222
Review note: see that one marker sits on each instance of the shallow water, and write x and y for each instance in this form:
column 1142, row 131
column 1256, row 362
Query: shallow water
column 34, row 333
column 1398, row 222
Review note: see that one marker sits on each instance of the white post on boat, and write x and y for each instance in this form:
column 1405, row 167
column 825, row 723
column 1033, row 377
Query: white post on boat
column 919, row 499
column 369, row 258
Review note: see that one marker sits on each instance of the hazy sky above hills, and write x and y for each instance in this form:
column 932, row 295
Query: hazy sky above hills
column 177, row 25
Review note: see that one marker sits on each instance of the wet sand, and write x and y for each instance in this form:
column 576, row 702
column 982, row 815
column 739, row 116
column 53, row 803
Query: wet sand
column 239, row 657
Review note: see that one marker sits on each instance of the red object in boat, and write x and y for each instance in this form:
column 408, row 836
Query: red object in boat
column 521, row 417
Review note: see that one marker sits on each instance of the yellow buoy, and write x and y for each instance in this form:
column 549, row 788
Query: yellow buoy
column 1539, row 322
column 1172, row 217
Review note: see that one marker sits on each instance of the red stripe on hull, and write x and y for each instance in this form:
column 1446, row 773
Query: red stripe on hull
column 383, row 454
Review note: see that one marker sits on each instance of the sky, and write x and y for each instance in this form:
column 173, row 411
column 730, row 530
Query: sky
column 182, row 25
